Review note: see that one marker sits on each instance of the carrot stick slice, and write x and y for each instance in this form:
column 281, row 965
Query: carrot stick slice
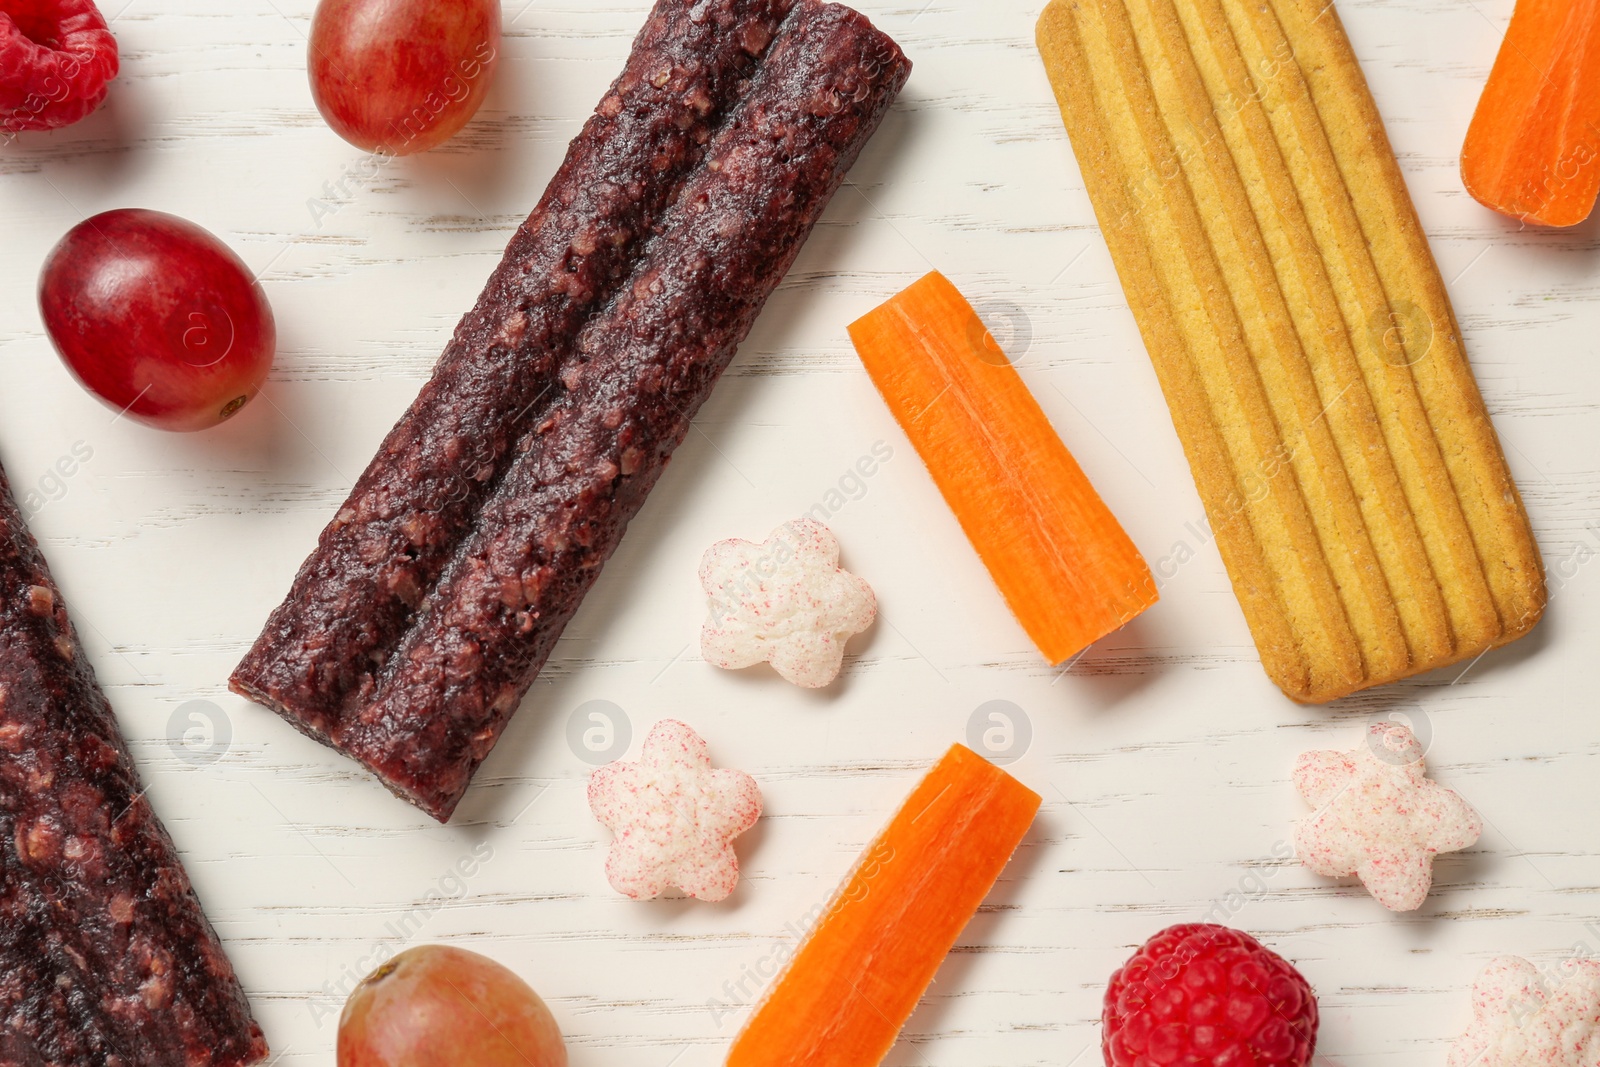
column 859, row 974
column 1531, row 151
column 1067, row 569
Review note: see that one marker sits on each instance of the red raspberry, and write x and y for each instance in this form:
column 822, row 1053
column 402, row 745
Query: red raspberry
column 56, row 57
column 1202, row 995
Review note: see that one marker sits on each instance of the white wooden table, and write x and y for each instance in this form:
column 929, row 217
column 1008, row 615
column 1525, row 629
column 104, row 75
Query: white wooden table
column 1163, row 756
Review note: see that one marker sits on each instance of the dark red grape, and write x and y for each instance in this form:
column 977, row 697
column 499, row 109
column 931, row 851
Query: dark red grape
column 401, row 76
column 157, row 318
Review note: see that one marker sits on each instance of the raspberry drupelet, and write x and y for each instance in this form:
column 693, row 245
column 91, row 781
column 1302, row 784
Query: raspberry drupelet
column 1203, row 995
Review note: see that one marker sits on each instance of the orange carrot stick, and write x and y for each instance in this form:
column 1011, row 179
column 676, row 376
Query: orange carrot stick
column 1533, row 149
column 1065, row 566
column 859, row 974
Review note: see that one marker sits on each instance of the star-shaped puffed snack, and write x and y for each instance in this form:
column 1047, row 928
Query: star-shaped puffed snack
column 1521, row 1018
column 1379, row 817
column 784, row 601
column 674, row 816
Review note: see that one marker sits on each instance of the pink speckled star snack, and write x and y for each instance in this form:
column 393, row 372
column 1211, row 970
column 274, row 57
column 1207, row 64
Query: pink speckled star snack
column 1378, row 816
column 675, row 817
column 1521, row 1018
column 784, row 601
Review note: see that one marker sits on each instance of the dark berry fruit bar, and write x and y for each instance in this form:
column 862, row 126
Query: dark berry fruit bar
column 416, row 629
column 105, row 957
column 318, row 660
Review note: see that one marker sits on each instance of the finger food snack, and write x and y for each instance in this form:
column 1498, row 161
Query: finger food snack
column 1379, row 817
column 854, row 981
column 1065, row 566
column 56, row 59
column 397, row 102
column 784, row 601
column 675, row 817
column 1206, row 994
column 157, row 318
column 358, row 593
column 1522, row 1018
column 1301, row 332
column 438, row 1006
column 105, row 956
column 1534, row 144
column 441, row 587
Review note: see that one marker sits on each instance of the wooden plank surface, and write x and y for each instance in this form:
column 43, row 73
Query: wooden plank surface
column 1163, row 755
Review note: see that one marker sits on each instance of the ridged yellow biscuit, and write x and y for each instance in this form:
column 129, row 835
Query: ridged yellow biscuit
column 1301, row 333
